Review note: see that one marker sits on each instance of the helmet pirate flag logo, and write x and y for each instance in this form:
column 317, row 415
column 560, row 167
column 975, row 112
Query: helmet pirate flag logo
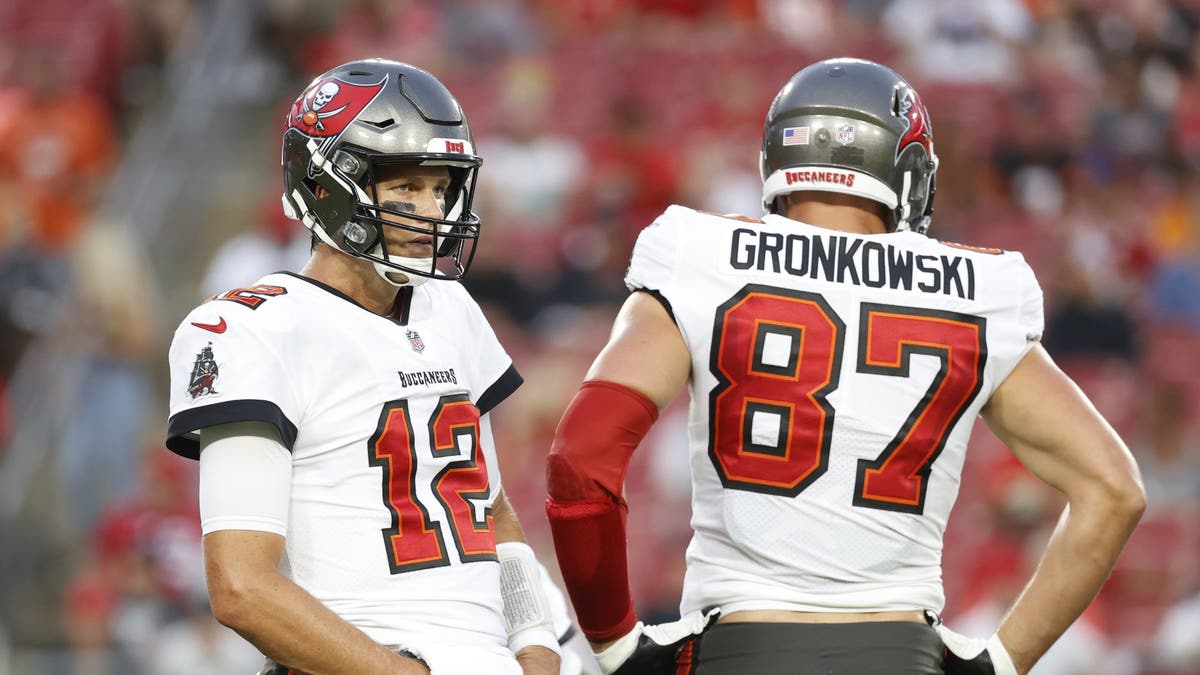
column 329, row 105
column 204, row 373
column 910, row 107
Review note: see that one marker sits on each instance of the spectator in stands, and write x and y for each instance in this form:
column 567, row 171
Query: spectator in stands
column 1084, row 325
column 1175, row 648
column 274, row 244
column 112, row 310
column 56, row 148
column 960, row 42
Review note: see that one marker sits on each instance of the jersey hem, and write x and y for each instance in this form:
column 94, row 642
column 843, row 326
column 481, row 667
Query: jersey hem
column 243, row 523
column 182, row 426
column 750, row 605
column 501, row 389
column 662, row 300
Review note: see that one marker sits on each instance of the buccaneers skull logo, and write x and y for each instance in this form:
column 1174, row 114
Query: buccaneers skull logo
column 328, row 106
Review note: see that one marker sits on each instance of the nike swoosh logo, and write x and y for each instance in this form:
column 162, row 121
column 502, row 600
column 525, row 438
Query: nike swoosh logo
column 218, row 327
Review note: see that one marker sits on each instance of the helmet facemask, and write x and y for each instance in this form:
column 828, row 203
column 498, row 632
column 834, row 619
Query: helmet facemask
column 454, row 233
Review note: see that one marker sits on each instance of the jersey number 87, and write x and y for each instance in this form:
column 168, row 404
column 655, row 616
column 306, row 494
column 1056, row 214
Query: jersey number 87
column 754, row 383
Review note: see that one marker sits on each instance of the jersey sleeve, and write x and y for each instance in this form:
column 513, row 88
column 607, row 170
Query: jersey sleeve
column 496, row 375
column 652, row 266
column 1024, row 328
column 234, row 375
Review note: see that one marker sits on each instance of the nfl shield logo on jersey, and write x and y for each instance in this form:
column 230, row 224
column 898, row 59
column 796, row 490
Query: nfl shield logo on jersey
column 414, row 339
column 845, row 133
column 204, row 373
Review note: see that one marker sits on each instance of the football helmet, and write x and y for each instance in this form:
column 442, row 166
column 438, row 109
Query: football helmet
column 361, row 116
column 854, row 127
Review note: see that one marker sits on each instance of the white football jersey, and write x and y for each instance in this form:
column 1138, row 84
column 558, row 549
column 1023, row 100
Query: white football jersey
column 393, row 467
column 835, row 380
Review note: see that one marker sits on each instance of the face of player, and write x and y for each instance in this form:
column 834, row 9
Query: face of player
column 411, row 189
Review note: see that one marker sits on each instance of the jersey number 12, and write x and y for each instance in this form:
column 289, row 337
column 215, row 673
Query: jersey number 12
column 414, row 541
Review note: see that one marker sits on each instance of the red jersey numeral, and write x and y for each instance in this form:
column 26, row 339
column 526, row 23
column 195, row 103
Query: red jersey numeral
column 414, row 541
column 897, row 479
column 454, row 429
column 777, row 356
column 253, row 296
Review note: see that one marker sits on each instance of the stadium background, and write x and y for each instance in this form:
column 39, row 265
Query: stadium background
column 139, row 147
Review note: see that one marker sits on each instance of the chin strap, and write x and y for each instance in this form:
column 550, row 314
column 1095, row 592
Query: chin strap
column 422, row 264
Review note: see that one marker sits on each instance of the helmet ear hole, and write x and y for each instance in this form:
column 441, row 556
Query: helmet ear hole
column 359, row 237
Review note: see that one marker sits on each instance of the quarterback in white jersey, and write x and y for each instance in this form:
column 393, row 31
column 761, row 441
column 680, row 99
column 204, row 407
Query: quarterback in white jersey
column 836, row 359
column 393, row 468
column 350, row 499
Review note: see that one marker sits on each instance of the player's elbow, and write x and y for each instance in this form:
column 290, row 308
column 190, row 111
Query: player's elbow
column 566, row 481
column 595, row 440
column 1129, row 497
column 234, row 600
column 1120, row 494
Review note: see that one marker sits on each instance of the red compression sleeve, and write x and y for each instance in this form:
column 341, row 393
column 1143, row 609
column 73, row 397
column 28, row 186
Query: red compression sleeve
column 584, row 473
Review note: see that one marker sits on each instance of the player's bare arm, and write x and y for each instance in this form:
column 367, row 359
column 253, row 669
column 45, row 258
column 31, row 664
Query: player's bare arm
column 642, row 368
column 282, row 620
column 508, row 526
column 645, row 352
column 534, row 659
column 1059, row 436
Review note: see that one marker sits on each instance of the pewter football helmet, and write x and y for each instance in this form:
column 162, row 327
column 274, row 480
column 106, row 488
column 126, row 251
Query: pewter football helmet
column 854, row 127
column 351, row 121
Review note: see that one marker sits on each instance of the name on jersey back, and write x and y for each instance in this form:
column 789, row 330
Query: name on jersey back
column 850, row 260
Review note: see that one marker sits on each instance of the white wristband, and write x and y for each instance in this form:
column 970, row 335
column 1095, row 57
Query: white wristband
column 1001, row 661
column 534, row 637
column 611, row 657
column 526, row 612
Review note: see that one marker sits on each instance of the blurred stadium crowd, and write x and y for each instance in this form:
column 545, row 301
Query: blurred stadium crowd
column 138, row 175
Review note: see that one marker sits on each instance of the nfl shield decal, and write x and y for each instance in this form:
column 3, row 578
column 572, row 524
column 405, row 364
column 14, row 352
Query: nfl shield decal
column 204, row 373
column 414, row 339
column 845, row 133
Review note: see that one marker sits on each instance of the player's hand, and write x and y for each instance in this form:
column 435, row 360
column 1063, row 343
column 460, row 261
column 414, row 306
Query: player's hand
column 537, row 660
column 651, row 650
column 971, row 656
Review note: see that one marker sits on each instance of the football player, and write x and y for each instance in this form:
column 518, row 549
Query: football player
column 836, row 358
column 353, row 515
